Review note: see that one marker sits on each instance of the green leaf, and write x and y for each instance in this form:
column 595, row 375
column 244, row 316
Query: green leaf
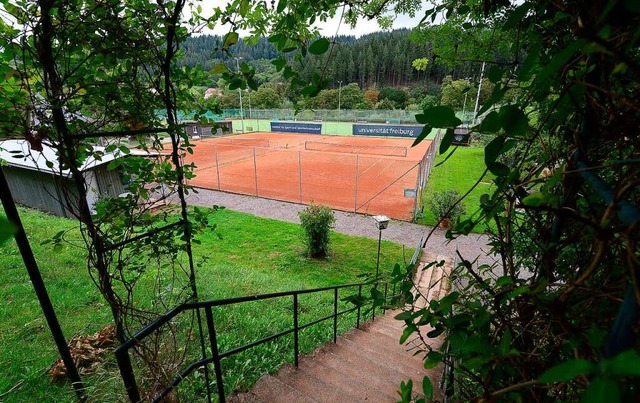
column 408, row 331
column 495, row 74
column 440, row 116
column 279, row 63
column 7, row 230
column 602, row 390
column 492, row 150
column 559, row 60
column 516, row 16
column 491, row 123
column 626, row 363
column 230, row 39
column 405, row 391
column 433, row 359
column 446, row 141
column 423, row 134
column 282, row 4
column 567, row 371
column 534, row 200
column 514, row 121
column 427, row 387
column 320, row 46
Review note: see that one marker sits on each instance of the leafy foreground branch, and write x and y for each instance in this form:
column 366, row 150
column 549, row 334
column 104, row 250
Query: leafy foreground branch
column 557, row 318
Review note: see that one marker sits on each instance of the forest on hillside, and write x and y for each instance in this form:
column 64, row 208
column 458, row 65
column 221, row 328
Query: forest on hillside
column 379, row 59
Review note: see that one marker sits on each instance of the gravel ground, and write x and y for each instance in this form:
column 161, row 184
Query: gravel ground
column 471, row 247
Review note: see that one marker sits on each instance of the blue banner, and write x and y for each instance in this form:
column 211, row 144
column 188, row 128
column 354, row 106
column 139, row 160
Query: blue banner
column 387, row 130
column 290, row 127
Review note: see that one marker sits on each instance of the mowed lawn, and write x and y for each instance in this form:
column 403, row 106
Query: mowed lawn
column 253, row 255
column 459, row 172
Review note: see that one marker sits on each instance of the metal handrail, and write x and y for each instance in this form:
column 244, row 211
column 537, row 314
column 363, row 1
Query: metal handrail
column 124, row 360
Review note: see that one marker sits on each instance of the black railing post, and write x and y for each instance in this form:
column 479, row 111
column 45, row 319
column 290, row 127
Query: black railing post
column 296, row 346
column 215, row 354
column 335, row 314
column 359, row 295
column 40, row 289
column 128, row 377
column 386, row 289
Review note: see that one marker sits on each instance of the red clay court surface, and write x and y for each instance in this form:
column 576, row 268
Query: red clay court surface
column 343, row 172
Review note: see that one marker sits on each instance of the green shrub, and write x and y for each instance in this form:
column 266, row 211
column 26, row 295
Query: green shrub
column 441, row 204
column 317, row 222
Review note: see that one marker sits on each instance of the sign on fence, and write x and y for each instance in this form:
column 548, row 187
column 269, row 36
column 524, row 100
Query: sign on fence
column 289, row 127
column 387, row 130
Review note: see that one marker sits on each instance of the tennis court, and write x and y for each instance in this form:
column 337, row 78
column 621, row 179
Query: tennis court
column 364, row 175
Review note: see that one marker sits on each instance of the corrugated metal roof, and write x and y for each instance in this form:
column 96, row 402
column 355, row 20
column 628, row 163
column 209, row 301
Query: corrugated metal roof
column 18, row 153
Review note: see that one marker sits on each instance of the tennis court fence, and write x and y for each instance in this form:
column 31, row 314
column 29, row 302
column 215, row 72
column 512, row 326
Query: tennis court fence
column 348, row 179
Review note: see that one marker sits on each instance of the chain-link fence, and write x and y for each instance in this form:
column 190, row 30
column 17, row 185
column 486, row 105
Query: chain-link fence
column 349, row 181
column 397, row 116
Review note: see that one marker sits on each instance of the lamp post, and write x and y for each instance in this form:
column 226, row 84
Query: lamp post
column 475, row 111
column 240, row 92
column 382, row 222
column 339, row 94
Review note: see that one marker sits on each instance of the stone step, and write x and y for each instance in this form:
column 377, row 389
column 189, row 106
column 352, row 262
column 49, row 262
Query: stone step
column 383, row 341
column 389, row 350
column 385, row 388
column 308, row 384
column 269, row 389
column 339, row 376
column 376, row 362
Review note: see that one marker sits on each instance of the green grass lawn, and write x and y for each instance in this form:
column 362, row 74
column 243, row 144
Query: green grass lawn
column 459, row 172
column 254, row 256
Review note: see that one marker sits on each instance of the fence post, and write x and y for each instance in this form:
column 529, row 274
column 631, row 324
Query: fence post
column 418, row 191
column 300, row 173
column 355, row 197
column 217, row 167
column 359, row 295
column 335, row 314
column 255, row 169
column 296, row 347
column 215, row 354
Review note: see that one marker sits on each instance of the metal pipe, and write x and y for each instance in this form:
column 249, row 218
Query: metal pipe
column 296, row 340
column 215, row 355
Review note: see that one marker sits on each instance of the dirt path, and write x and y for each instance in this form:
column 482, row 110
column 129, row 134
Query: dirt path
column 405, row 233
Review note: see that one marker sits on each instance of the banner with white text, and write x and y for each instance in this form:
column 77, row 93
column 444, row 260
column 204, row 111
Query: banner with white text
column 387, row 130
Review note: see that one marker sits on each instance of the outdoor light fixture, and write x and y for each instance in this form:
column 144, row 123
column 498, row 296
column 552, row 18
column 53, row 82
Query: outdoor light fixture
column 382, row 221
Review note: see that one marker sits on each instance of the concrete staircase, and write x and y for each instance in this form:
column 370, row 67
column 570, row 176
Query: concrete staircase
column 365, row 364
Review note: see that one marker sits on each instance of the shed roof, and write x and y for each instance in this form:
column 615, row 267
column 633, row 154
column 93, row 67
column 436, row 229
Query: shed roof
column 18, row 153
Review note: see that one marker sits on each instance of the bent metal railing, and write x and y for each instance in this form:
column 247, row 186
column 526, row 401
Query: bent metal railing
column 124, row 360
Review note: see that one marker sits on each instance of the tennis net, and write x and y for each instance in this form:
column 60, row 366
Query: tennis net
column 398, row 151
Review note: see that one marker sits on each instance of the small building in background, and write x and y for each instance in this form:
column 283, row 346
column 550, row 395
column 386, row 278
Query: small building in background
column 197, row 130
column 36, row 180
column 461, row 136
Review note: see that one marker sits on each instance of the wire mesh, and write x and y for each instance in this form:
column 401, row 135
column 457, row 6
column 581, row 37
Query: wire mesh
column 398, row 151
column 288, row 170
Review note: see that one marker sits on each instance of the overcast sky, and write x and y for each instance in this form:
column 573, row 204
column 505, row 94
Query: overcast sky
column 327, row 28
